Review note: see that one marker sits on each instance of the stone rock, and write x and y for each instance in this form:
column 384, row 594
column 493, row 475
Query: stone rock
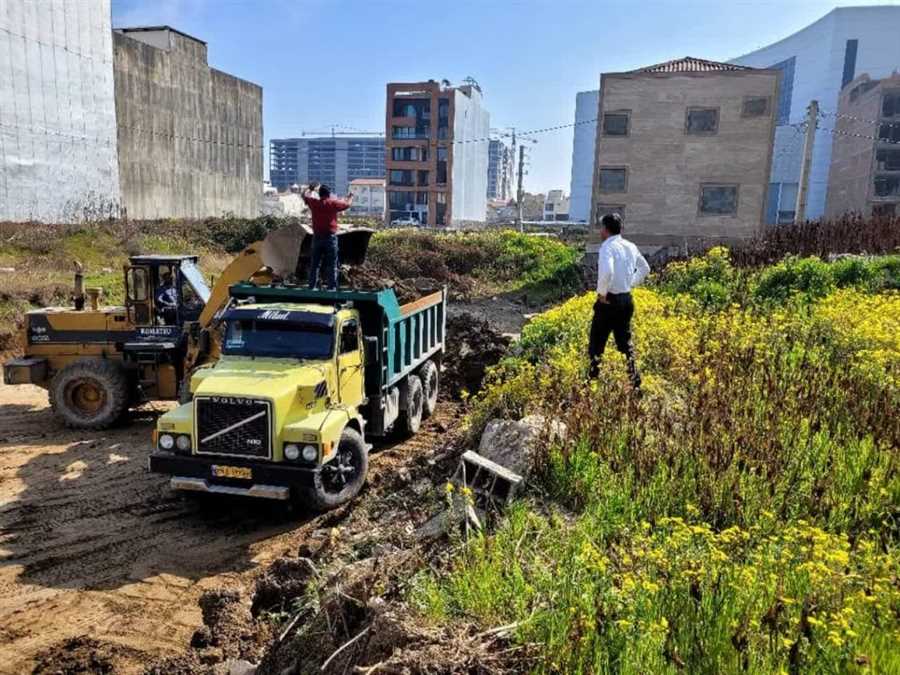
column 241, row 667
column 511, row 444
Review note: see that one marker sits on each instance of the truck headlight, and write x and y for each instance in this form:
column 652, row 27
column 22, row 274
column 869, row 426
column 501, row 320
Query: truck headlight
column 310, row 453
column 166, row 441
column 183, row 442
column 291, row 451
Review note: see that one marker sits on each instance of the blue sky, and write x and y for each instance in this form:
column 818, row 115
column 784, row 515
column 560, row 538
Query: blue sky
column 326, row 63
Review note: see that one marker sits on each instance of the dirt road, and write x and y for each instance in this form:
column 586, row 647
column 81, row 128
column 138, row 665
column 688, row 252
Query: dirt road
column 92, row 544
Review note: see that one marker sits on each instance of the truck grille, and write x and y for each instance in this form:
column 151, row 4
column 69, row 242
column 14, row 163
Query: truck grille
column 231, row 425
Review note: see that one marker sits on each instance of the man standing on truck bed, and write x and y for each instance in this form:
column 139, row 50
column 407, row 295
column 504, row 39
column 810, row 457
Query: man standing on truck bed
column 620, row 267
column 324, row 209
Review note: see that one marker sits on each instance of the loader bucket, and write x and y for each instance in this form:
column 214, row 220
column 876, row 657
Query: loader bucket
column 352, row 247
column 287, row 250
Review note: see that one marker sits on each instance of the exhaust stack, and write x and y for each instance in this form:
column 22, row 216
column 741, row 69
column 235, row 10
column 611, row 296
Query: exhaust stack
column 78, row 295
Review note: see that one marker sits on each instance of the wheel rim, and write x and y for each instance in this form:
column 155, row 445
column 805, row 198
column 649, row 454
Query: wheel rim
column 340, row 472
column 431, row 385
column 86, row 396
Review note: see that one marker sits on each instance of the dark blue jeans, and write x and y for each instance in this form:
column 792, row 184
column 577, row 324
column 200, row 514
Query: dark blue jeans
column 324, row 254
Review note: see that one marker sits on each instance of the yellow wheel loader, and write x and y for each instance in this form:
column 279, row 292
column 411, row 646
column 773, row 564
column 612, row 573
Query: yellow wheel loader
column 97, row 362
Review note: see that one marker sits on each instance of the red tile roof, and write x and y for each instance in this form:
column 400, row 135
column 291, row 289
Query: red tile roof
column 690, row 64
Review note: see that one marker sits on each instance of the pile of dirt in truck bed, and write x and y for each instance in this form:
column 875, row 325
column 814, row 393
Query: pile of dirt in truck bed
column 409, row 282
column 472, row 347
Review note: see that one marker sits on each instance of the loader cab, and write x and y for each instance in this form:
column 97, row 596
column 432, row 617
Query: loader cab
column 164, row 292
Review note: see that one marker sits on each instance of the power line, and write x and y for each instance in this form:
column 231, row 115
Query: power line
column 860, row 119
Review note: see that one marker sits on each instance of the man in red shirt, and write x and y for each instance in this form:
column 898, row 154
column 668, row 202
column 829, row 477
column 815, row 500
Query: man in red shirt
column 324, row 209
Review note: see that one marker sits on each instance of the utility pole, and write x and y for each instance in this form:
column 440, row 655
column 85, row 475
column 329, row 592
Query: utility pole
column 512, row 160
column 520, row 193
column 812, row 121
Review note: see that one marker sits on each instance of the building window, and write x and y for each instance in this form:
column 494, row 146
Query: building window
column 887, row 186
column 606, row 209
column 850, row 49
column 786, row 90
column 702, row 120
column 890, row 132
column 441, row 168
column 888, row 159
column 423, row 178
column 612, row 179
column 718, row 200
column 755, row 106
column 401, row 200
column 420, row 108
column 409, row 154
column 884, row 210
column 422, row 197
column 615, row 124
column 890, row 105
column 401, row 177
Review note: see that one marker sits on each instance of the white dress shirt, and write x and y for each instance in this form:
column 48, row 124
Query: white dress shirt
column 620, row 266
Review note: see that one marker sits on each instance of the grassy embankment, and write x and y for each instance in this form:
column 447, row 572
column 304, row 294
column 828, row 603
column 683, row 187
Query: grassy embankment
column 742, row 516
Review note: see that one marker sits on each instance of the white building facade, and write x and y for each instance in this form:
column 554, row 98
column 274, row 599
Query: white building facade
column 58, row 143
column 587, row 103
column 816, row 63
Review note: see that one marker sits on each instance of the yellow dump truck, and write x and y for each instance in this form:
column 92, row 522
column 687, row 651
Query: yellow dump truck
column 304, row 379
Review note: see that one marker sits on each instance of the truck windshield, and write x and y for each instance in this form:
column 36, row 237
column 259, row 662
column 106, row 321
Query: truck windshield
column 254, row 337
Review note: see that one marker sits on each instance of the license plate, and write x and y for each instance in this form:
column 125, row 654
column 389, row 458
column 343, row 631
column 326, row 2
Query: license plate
column 244, row 472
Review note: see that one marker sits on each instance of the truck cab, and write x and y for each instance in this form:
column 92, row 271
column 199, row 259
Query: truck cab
column 285, row 412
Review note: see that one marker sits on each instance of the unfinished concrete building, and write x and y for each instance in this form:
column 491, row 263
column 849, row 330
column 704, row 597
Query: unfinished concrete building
column 865, row 157
column 684, row 150
column 437, row 153
column 189, row 136
column 57, row 114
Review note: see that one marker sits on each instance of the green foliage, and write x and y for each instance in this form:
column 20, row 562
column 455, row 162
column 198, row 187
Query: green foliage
column 235, row 234
column 498, row 261
column 743, row 515
column 714, row 282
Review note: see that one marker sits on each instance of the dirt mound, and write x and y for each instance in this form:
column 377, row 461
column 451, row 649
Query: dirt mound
column 284, row 581
column 81, row 655
column 472, row 347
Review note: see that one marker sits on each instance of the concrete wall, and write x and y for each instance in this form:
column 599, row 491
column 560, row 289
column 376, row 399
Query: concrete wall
column 470, row 159
column 583, row 150
column 57, row 115
column 819, row 51
column 189, row 136
column 666, row 167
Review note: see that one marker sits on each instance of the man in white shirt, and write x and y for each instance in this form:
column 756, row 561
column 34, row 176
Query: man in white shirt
column 620, row 267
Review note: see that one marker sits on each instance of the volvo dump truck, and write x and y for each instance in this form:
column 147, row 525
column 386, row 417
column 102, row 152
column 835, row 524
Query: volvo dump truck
column 304, row 379
column 97, row 362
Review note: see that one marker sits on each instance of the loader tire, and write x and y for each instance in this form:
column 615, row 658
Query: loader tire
column 410, row 418
column 341, row 479
column 89, row 394
column 430, row 377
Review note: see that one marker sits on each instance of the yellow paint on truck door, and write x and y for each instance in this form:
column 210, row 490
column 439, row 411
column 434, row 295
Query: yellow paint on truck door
column 350, row 363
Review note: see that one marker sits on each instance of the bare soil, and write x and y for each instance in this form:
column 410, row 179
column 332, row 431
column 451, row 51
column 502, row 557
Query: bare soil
column 102, row 567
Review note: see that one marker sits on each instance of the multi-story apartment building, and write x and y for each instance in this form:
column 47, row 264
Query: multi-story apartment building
column 684, row 150
column 437, row 153
column 817, row 63
column 865, row 155
column 332, row 160
column 500, row 163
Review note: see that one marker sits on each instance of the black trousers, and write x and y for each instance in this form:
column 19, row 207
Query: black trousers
column 613, row 317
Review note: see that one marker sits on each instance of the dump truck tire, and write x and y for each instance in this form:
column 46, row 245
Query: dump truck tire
column 411, row 416
column 341, row 479
column 89, row 394
column 430, row 377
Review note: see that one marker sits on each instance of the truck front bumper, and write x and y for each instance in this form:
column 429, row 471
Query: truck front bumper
column 196, row 474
